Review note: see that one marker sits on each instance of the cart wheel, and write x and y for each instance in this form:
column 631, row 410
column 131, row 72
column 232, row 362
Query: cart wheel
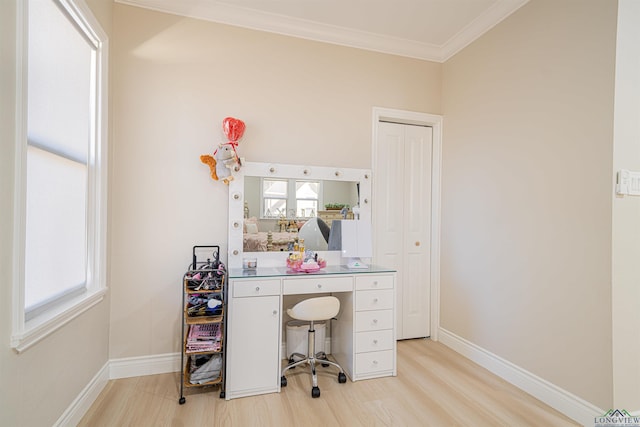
column 342, row 378
column 283, row 381
column 182, row 400
column 315, row 392
column 292, row 360
column 222, row 394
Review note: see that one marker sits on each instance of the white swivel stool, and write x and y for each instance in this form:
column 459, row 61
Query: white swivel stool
column 314, row 310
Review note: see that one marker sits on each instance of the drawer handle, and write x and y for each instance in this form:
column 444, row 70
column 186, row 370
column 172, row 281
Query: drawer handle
column 275, row 312
column 319, row 285
column 375, row 300
column 375, row 321
column 257, row 288
column 375, row 283
column 375, row 362
column 375, row 341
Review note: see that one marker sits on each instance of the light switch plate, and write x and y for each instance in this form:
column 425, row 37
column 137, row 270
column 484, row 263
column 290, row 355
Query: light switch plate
column 628, row 183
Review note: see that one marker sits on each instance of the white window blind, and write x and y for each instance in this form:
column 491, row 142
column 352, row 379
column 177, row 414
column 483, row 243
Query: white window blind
column 60, row 86
column 61, row 177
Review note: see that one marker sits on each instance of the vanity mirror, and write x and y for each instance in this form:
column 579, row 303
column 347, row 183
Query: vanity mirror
column 269, row 204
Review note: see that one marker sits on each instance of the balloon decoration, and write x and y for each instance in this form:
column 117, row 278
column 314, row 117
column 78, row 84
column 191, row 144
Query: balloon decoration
column 234, row 129
column 225, row 159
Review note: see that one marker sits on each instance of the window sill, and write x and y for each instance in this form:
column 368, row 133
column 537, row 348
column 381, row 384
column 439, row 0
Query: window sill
column 45, row 324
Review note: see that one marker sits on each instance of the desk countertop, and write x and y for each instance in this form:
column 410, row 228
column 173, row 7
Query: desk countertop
column 239, row 273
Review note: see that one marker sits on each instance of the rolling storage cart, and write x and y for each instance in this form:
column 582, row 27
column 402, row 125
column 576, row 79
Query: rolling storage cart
column 204, row 304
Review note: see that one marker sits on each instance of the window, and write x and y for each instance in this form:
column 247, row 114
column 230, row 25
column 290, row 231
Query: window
column 307, row 198
column 61, row 172
column 290, row 198
column 274, row 197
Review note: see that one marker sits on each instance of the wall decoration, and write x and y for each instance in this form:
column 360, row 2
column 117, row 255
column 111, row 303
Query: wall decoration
column 225, row 160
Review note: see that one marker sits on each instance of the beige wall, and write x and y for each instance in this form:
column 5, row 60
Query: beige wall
column 38, row 385
column 175, row 79
column 527, row 181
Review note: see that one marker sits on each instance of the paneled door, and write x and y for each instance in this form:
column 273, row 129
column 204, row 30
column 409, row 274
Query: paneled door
column 402, row 219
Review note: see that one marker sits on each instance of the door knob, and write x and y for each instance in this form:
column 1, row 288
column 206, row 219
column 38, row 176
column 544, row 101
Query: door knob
column 417, row 243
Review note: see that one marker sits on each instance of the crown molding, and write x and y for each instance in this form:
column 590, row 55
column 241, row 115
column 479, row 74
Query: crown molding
column 483, row 23
column 295, row 27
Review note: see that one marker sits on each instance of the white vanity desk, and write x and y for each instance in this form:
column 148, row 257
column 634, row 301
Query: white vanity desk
column 362, row 338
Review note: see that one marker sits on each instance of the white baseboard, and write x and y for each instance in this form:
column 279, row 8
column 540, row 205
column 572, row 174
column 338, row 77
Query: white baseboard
column 82, row 403
column 126, row 367
column 114, row 369
column 145, row 365
column 559, row 399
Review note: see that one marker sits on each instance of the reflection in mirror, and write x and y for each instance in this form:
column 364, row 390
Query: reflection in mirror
column 278, row 212
column 314, row 234
column 281, row 206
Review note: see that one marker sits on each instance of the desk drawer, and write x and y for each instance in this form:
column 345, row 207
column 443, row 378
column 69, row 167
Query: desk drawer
column 255, row 288
column 373, row 282
column 317, row 284
column 375, row 361
column 374, row 300
column 374, row 341
column 374, row 320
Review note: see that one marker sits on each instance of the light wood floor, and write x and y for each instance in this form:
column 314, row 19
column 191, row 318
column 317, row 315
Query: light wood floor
column 435, row 387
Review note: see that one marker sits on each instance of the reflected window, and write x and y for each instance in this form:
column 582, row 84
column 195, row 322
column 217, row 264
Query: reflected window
column 307, row 193
column 274, row 197
column 290, row 198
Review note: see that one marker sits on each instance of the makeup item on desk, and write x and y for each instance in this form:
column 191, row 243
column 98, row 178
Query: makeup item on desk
column 249, row 263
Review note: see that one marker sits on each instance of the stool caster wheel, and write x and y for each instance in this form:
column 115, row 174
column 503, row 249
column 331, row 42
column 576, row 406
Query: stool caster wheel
column 342, row 378
column 182, row 400
column 315, row 392
column 283, row 381
column 325, row 365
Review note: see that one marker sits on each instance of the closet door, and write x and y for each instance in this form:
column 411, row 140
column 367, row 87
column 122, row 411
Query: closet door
column 402, row 219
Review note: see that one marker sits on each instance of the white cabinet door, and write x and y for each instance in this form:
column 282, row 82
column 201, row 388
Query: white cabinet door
column 253, row 344
column 402, row 219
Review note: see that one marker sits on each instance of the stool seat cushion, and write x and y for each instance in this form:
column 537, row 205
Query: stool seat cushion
column 319, row 308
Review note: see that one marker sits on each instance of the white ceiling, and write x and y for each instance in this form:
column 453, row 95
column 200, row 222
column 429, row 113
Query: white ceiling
column 426, row 29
